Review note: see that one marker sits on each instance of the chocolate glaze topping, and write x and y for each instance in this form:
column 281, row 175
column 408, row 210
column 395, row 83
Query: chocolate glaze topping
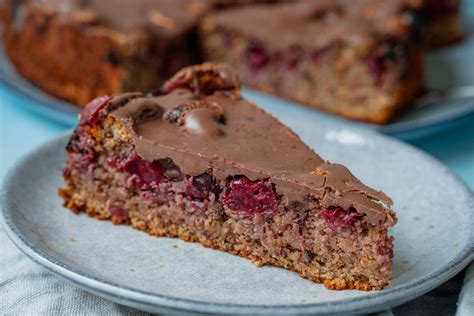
column 231, row 136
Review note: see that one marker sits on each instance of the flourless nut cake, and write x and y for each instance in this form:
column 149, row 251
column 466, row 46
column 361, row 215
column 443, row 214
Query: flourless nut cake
column 356, row 59
column 195, row 160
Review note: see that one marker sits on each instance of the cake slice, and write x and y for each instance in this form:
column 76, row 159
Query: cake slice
column 77, row 50
column 196, row 161
column 356, row 59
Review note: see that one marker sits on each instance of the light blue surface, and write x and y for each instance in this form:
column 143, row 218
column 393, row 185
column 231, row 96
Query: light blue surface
column 21, row 130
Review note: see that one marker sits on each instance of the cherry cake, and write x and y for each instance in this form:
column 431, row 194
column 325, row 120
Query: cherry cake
column 77, row 50
column 358, row 59
column 195, row 160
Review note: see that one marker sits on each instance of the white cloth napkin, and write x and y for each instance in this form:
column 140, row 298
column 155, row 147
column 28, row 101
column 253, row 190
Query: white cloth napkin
column 466, row 298
column 28, row 289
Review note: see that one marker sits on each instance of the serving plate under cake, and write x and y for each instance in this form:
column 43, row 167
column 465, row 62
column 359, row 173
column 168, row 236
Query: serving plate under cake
column 434, row 237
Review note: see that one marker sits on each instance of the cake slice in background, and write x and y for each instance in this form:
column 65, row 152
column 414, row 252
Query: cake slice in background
column 356, row 59
column 196, row 161
column 77, row 50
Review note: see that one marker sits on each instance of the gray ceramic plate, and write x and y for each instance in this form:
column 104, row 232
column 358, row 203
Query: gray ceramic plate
column 446, row 68
column 434, row 237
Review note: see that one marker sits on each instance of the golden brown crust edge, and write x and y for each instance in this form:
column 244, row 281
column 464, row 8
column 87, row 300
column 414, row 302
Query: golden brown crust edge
column 78, row 74
column 332, row 284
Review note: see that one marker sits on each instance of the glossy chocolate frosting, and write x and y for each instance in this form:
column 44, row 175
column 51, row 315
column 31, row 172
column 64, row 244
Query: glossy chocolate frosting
column 219, row 130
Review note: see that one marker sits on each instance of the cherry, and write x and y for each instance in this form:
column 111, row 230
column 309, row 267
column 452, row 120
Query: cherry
column 256, row 56
column 336, row 217
column 248, row 197
column 91, row 110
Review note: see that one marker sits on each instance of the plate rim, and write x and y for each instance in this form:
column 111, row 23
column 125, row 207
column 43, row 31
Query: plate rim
column 154, row 301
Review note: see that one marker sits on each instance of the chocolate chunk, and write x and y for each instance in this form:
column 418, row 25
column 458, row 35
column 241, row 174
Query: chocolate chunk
column 309, row 255
column 112, row 58
column 177, row 114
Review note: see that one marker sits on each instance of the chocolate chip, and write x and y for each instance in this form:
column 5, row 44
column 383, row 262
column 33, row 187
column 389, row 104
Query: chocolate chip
column 178, row 114
column 145, row 109
column 148, row 113
column 41, row 30
column 173, row 115
column 112, row 58
column 120, row 100
column 171, row 170
column 309, row 255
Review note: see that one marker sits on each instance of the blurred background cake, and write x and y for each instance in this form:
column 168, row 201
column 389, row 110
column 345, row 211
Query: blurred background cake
column 358, row 59
column 77, row 50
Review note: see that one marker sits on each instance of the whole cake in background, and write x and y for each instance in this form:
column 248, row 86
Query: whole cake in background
column 77, row 50
column 196, row 161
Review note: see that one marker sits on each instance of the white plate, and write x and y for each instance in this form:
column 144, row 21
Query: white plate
column 434, row 237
